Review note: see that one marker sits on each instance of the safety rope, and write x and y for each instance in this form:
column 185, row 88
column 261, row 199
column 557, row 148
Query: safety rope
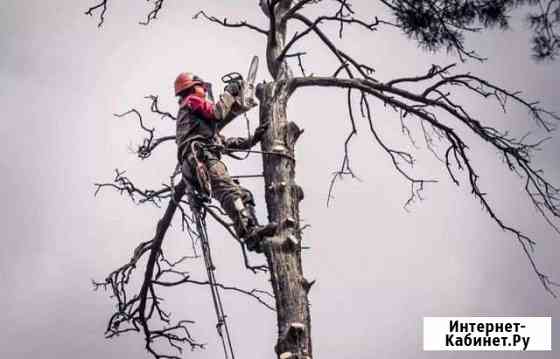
column 229, row 150
column 279, row 154
column 200, row 216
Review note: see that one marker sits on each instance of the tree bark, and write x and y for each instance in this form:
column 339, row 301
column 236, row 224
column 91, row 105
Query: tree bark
column 283, row 251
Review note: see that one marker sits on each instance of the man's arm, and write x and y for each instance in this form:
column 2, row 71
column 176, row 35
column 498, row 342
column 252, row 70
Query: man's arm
column 242, row 143
column 201, row 107
column 224, row 110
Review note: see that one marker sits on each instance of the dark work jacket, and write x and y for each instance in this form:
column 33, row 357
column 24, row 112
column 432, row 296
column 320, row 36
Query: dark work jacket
column 192, row 127
column 196, row 121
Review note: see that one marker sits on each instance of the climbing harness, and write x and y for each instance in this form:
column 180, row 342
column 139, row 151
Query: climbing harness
column 201, row 172
column 221, row 325
column 202, row 178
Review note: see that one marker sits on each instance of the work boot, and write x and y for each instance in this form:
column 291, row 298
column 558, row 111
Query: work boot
column 253, row 240
column 241, row 225
column 246, row 225
column 236, row 211
column 256, row 232
column 251, row 233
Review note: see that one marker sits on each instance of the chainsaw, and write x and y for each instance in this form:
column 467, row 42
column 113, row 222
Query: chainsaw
column 247, row 87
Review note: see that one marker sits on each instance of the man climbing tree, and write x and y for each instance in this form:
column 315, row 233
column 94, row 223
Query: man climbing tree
column 427, row 99
column 200, row 146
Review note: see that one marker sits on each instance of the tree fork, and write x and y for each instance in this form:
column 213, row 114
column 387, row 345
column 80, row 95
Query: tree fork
column 283, row 251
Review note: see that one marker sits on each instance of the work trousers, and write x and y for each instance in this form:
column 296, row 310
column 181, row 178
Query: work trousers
column 223, row 188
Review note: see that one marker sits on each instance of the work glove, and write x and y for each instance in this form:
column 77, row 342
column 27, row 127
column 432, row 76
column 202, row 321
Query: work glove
column 234, row 88
column 259, row 132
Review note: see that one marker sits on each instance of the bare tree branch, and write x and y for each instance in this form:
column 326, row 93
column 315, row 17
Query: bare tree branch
column 149, row 143
column 103, row 6
column 254, row 293
column 516, row 153
column 297, row 7
column 152, row 15
column 225, row 22
column 344, row 58
column 546, row 27
column 154, row 107
column 136, row 313
column 123, row 185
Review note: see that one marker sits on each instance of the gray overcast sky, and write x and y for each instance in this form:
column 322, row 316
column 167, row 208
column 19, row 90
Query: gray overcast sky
column 379, row 268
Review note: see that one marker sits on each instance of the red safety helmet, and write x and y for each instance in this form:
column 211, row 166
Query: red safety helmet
column 185, row 81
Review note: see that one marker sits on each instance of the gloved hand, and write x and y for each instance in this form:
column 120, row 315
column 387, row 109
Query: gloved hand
column 234, row 88
column 259, row 132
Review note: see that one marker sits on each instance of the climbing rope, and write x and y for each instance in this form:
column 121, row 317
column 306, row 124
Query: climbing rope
column 221, row 325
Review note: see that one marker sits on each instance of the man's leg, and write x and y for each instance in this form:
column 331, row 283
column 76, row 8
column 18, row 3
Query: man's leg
column 253, row 240
column 229, row 194
column 248, row 202
column 195, row 180
column 238, row 203
column 233, row 199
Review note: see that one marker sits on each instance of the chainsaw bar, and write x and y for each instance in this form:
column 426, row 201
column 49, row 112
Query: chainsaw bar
column 249, row 93
column 252, row 75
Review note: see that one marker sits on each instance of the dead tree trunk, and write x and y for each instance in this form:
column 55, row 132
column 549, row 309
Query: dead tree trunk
column 283, row 251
